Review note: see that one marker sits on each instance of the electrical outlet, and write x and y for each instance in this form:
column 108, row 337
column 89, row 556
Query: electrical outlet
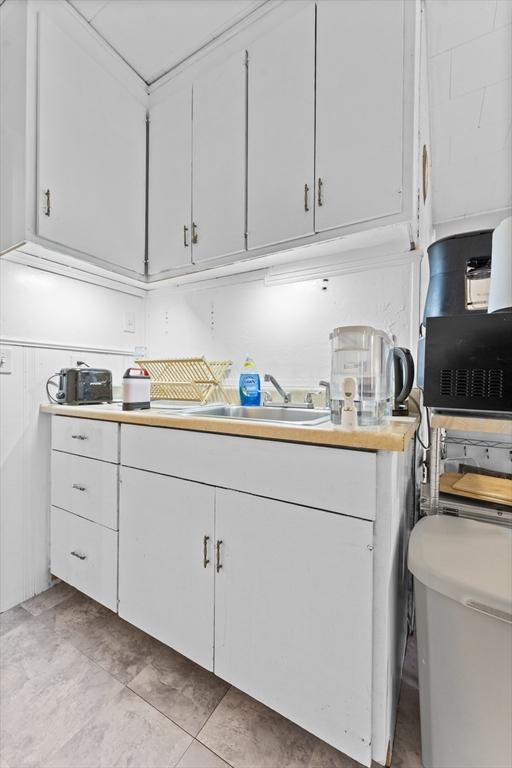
column 129, row 322
column 5, row 360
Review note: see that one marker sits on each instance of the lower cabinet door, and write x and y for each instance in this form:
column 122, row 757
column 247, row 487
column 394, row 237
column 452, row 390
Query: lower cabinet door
column 293, row 614
column 166, row 576
column 84, row 554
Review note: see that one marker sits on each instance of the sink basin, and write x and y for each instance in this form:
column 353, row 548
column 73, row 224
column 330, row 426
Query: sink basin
column 283, row 414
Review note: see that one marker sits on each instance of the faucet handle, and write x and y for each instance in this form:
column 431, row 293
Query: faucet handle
column 327, row 386
column 267, row 397
column 308, row 399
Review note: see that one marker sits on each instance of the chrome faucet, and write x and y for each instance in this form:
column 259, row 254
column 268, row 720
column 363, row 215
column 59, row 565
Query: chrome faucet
column 285, row 395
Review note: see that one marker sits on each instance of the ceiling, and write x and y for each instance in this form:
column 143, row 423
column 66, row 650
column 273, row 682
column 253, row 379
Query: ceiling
column 153, row 36
column 470, row 66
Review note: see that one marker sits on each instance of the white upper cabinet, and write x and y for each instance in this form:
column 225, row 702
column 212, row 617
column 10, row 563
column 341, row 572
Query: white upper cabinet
column 281, row 131
column 219, row 159
column 90, row 151
column 170, row 183
column 359, row 111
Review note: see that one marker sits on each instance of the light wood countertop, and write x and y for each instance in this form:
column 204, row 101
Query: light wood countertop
column 393, row 436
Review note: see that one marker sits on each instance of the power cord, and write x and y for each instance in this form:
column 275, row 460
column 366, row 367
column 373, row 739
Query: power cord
column 418, row 408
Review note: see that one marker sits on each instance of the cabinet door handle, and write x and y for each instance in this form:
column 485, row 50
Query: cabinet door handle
column 47, row 206
column 194, row 233
column 185, row 231
column 320, row 185
column 79, row 437
column 206, row 539
column 78, row 487
column 306, row 197
column 79, row 555
column 219, row 564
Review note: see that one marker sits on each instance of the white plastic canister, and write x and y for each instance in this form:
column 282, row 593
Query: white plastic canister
column 136, row 389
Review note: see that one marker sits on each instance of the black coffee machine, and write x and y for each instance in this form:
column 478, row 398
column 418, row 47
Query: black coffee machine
column 464, row 354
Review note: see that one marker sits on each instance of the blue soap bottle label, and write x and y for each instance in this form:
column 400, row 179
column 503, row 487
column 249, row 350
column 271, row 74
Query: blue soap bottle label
column 250, row 385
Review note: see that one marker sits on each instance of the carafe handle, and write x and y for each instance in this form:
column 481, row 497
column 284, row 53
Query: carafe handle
column 404, row 361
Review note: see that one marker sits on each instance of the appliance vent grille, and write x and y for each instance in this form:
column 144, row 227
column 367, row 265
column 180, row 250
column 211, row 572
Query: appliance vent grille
column 471, row 382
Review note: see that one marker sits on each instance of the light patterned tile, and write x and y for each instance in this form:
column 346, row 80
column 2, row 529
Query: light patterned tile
column 407, row 743
column 198, row 756
column 120, row 648
column 49, row 690
column 49, row 598
column 12, row 618
column 247, row 734
column 127, row 732
column 180, row 689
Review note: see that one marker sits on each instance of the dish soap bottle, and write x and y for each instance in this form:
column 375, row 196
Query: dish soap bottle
column 250, row 385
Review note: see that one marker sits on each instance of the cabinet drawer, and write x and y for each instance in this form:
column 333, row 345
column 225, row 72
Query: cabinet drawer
column 84, row 555
column 86, row 437
column 87, row 487
column 314, row 476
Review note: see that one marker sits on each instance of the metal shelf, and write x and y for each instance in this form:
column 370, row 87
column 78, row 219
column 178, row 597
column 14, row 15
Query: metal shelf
column 477, row 443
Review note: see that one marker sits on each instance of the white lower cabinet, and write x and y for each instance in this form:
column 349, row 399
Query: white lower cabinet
column 273, row 597
column 293, row 614
column 166, row 568
column 84, row 555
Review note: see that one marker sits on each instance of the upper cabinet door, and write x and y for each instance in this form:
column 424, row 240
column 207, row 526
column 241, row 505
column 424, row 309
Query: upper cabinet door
column 359, row 103
column 219, row 158
column 170, row 183
column 281, row 132
column 91, row 153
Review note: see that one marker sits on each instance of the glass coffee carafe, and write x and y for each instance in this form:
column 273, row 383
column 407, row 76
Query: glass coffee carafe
column 364, row 354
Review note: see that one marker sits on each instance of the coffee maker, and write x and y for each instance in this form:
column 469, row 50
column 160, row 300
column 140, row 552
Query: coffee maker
column 464, row 359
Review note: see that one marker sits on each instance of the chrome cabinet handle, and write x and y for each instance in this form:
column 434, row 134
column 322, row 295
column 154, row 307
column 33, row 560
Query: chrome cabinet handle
column 185, row 231
column 47, row 207
column 79, row 555
column 306, row 197
column 78, row 487
column 206, row 539
column 194, row 233
column 320, row 185
column 219, row 564
column 79, row 437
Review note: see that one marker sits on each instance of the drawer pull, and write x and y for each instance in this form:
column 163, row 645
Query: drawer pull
column 306, row 197
column 79, row 555
column 219, row 564
column 206, row 560
column 79, row 437
column 79, row 487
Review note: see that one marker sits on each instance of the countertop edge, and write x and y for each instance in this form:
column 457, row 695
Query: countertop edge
column 394, row 437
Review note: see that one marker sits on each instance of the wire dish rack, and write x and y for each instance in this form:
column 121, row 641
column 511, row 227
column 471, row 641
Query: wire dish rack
column 187, row 378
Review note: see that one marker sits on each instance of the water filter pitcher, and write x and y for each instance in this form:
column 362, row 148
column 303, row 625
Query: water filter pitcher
column 366, row 355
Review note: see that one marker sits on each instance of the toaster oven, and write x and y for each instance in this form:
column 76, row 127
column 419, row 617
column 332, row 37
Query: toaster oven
column 84, row 386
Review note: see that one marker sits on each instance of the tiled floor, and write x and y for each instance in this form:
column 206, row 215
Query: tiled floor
column 82, row 688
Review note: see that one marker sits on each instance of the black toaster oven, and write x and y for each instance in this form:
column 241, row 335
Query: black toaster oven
column 84, row 386
column 468, row 362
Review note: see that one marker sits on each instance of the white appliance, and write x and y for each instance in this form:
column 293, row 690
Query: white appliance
column 136, row 389
column 463, row 587
column 500, row 292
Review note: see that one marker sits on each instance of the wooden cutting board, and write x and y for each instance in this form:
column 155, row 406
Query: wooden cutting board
column 481, row 487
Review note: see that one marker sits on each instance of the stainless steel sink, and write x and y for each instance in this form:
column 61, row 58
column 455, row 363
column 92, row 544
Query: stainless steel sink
column 283, row 414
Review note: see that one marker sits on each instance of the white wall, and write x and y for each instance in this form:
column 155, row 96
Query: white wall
column 284, row 327
column 470, row 63
column 70, row 320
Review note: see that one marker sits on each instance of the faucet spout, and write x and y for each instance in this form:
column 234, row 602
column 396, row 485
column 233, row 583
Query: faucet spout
column 285, row 395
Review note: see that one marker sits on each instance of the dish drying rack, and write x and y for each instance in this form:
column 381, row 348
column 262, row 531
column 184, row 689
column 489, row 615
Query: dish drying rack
column 188, row 378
